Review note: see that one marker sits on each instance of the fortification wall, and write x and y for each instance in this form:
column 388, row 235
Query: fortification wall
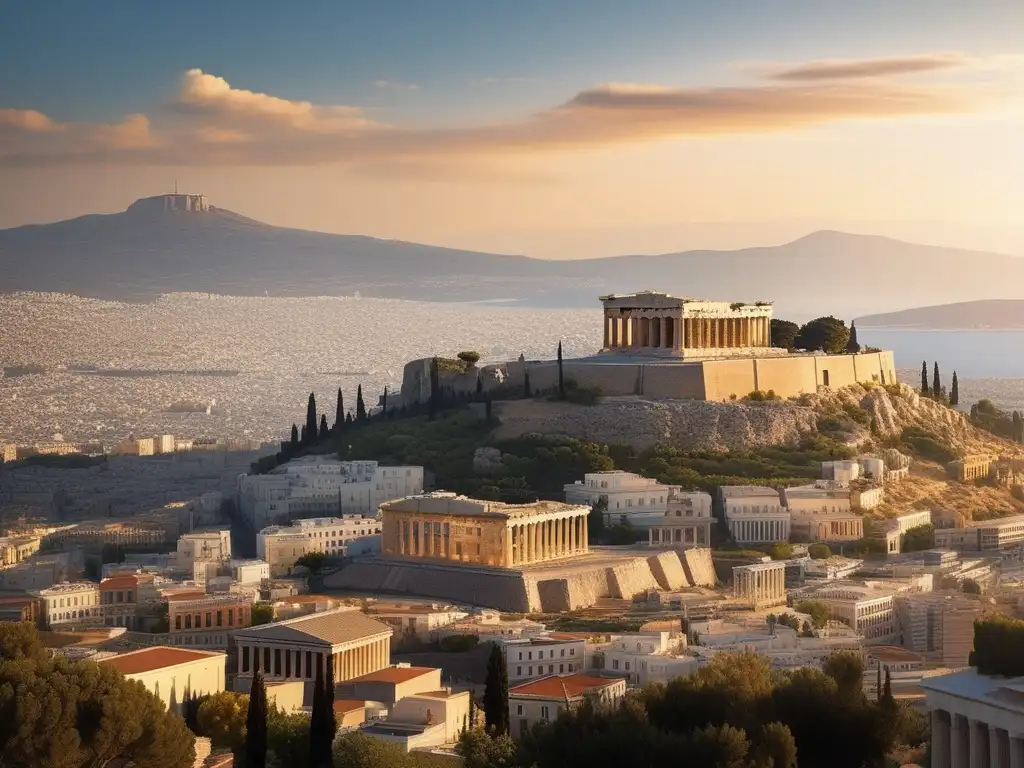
column 574, row 591
column 630, row 578
column 699, row 567
column 684, row 381
column 668, row 570
column 786, row 376
column 840, row 370
column 623, row 379
column 728, row 379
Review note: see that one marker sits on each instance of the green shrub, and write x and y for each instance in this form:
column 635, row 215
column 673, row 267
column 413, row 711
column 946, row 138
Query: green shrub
column 997, row 647
column 469, row 357
column 927, row 445
column 459, row 643
column 757, row 396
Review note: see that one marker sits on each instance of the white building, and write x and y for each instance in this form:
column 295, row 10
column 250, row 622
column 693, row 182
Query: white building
column 820, row 497
column 644, row 657
column 280, row 546
column 544, row 699
column 209, row 545
column 167, row 444
column 867, row 607
column 250, row 571
column 532, row 657
column 314, row 486
column 821, row 511
column 632, row 499
column 754, row 514
column 418, row 621
column 70, row 604
column 977, row 721
column 832, row 568
column 687, row 522
column 424, row 720
column 890, row 531
column 865, row 495
column 176, row 676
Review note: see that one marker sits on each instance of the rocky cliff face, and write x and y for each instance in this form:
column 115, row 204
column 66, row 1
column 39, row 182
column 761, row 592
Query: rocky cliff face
column 698, row 425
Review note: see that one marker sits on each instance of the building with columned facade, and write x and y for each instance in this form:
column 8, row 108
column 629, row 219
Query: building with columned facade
column 754, row 514
column 293, row 649
column 977, row 720
column 443, row 527
column 760, row 585
column 629, row 498
column 657, row 323
column 686, row 522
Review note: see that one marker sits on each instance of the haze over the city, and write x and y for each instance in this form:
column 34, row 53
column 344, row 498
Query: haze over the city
column 570, row 129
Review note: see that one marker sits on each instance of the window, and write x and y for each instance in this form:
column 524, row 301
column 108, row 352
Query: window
column 177, row 622
column 520, row 655
column 519, row 709
column 529, row 671
column 220, row 618
column 561, row 668
column 544, row 712
column 551, row 669
column 209, row 619
column 519, row 673
column 615, row 663
column 572, row 651
column 245, row 658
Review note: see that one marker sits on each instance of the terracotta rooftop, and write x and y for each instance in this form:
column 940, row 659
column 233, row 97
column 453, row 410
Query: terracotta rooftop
column 303, row 599
column 892, row 653
column 393, row 675
column 563, row 686
column 157, row 657
column 336, row 626
column 119, row 582
column 194, row 595
column 344, row 706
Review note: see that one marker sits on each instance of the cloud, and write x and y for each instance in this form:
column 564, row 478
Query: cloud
column 395, row 85
column 851, row 69
column 210, row 121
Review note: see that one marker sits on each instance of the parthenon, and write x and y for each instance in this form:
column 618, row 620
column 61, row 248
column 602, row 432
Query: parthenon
column 656, row 323
column 445, row 527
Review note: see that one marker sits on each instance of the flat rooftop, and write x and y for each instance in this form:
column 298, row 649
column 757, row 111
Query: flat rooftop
column 562, row 686
column 394, row 675
column 158, row 657
column 450, row 504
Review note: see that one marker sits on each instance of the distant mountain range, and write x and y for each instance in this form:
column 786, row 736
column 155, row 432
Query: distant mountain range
column 142, row 253
column 995, row 314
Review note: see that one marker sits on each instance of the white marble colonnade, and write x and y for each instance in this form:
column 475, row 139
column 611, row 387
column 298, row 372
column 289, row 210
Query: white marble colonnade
column 759, row 585
column 758, row 530
column 961, row 742
column 535, row 541
column 281, row 661
column 666, row 330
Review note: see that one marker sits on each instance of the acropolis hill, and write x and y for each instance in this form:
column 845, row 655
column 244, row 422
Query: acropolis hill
column 666, row 347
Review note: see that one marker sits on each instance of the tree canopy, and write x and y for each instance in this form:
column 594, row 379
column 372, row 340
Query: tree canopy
column 70, row 714
column 783, row 333
column 825, row 334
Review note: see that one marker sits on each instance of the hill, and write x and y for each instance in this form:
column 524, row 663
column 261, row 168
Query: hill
column 144, row 252
column 997, row 314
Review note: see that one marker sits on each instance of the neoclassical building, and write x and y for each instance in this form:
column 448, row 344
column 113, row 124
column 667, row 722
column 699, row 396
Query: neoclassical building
column 445, row 527
column 760, row 585
column 294, row 648
column 657, row 323
column 686, row 523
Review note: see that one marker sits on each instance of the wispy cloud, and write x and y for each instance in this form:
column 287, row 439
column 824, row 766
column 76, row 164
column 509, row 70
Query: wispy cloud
column 498, row 80
column 852, row 69
column 396, row 85
column 212, row 122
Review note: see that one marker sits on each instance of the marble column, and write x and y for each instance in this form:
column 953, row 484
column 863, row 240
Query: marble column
column 607, row 331
column 999, row 747
column 572, row 535
column 615, row 331
column 979, row 743
column 534, row 546
column 960, row 740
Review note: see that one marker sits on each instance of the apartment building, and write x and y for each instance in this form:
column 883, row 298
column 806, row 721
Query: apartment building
column 281, row 546
column 531, row 657
column 544, row 700
column 71, row 604
column 316, row 486
column 631, row 499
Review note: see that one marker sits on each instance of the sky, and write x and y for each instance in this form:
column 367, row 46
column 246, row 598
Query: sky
column 559, row 129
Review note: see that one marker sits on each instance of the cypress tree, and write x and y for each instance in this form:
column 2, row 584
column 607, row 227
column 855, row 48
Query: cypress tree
column 936, row 383
column 924, row 377
column 303, row 438
column 434, row 398
column 561, row 377
column 339, row 413
column 888, row 687
column 311, row 429
column 256, row 724
column 348, row 418
column 496, row 693
column 852, row 345
column 526, row 384
column 384, row 403
column 324, row 429
column 322, row 723
column 878, row 683
column 479, row 388
column 360, row 405
column 295, row 436
column 954, row 392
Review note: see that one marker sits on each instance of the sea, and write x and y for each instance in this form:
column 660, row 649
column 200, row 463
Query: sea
column 989, row 363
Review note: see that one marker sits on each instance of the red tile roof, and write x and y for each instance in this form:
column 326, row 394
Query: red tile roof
column 119, row 582
column 194, row 595
column 344, row 706
column 563, row 686
column 393, row 675
column 157, row 657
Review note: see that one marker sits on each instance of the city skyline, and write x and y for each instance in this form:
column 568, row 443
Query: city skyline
column 533, row 129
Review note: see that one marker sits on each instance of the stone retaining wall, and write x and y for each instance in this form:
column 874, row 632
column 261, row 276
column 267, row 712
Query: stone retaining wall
column 700, row 569
column 668, row 570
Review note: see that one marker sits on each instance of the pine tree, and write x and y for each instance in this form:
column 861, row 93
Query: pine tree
column 324, row 429
column 852, row 346
column 954, row 392
column 561, row 377
column 311, row 429
column 256, row 724
column 496, row 693
column 924, row 378
column 339, row 413
column 360, row 405
column 936, row 383
column 526, row 384
column 295, row 436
